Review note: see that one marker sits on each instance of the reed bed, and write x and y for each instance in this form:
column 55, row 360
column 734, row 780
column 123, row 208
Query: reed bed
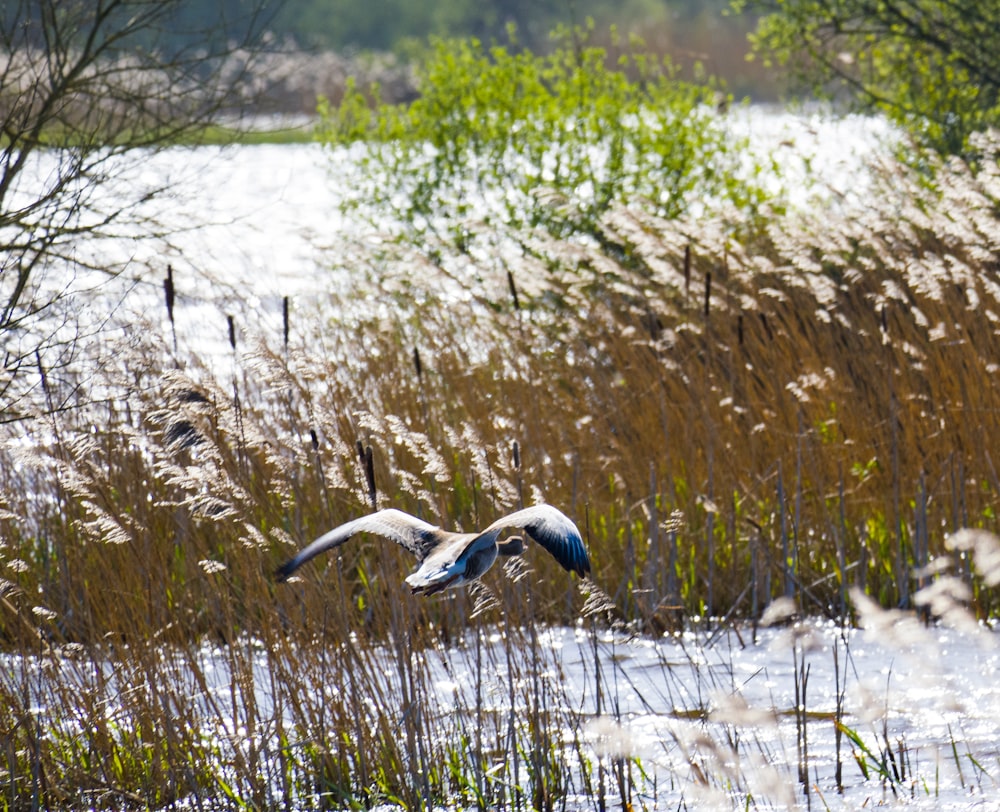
column 734, row 410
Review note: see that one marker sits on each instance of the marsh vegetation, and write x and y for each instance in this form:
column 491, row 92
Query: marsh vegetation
column 742, row 403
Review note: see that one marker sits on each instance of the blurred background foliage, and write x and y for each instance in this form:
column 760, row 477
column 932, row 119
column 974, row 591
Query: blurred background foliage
column 389, row 24
column 702, row 32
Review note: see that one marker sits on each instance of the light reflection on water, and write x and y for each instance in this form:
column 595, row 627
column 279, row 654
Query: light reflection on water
column 243, row 227
column 667, row 702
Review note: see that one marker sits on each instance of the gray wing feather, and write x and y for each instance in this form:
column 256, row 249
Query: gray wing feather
column 555, row 531
column 412, row 533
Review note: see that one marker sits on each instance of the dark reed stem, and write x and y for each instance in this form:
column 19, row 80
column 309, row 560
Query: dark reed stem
column 841, row 538
column 687, row 272
column 710, row 539
column 786, row 564
column 801, row 679
column 513, row 291
column 840, row 689
column 169, row 294
column 797, row 516
column 285, row 323
column 598, row 710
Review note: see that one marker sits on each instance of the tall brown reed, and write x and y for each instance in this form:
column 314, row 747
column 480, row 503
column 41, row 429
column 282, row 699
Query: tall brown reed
column 857, row 351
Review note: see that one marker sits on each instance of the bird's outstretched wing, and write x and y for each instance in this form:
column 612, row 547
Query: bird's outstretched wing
column 554, row 530
column 414, row 534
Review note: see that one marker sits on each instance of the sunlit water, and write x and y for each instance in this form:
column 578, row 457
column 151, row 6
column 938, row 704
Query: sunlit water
column 244, row 227
column 709, row 717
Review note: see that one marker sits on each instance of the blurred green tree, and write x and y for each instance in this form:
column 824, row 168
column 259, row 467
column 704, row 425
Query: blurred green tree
column 523, row 139
column 933, row 66
column 384, row 24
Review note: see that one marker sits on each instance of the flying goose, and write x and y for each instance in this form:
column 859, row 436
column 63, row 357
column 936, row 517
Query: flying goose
column 452, row 559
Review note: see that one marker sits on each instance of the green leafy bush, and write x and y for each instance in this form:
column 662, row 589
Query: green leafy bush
column 932, row 67
column 520, row 139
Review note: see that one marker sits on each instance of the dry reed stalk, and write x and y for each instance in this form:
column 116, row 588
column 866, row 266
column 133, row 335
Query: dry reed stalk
column 151, row 515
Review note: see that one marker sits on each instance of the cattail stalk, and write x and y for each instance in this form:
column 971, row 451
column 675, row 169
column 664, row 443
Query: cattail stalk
column 285, row 324
column 169, row 294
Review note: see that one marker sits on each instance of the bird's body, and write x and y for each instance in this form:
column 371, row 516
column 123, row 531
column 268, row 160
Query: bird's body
column 452, row 559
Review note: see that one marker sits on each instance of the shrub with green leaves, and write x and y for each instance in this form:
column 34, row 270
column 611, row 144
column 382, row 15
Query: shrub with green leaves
column 519, row 139
column 932, row 67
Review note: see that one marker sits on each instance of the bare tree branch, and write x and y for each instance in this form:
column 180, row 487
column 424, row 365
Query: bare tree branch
column 89, row 88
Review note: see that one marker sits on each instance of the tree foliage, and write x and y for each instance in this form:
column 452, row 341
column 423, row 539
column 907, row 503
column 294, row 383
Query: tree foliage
column 521, row 139
column 384, row 24
column 931, row 65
